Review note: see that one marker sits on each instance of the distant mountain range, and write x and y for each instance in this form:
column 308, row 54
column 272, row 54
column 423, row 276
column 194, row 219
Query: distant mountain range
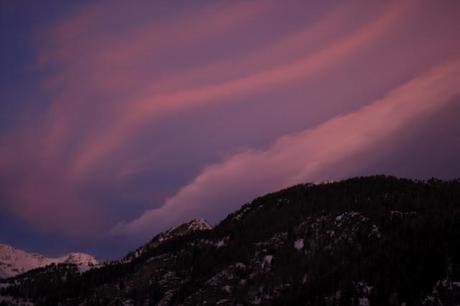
column 364, row 241
column 14, row 261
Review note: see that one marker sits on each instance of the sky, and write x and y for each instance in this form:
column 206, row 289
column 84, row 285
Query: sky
column 120, row 119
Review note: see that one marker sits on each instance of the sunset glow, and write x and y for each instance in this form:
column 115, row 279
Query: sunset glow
column 120, row 119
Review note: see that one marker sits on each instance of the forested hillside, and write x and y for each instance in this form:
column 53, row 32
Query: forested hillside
column 363, row 241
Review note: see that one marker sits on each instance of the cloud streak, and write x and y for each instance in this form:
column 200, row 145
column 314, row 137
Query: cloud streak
column 133, row 107
column 307, row 155
column 160, row 104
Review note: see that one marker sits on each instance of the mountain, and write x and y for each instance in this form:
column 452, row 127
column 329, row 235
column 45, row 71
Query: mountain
column 14, row 261
column 184, row 229
column 364, row 241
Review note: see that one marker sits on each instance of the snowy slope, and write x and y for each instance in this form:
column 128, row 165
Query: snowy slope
column 14, row 261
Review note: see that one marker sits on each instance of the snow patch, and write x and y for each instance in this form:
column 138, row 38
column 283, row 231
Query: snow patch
column 267, row 261
column 298, row 244
column 363, row 301
column 14, row 261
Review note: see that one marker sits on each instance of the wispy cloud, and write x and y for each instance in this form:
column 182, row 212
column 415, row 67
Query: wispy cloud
column 136, row 100
column 149, row 107
column 307, row 155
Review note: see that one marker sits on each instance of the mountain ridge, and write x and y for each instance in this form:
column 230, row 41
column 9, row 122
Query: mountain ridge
column 14, row 261
column 363, row 241
column 186, row 228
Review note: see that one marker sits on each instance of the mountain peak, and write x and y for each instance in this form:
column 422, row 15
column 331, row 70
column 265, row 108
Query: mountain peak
column 83, row 261
column 364, row 241
column 14, row 261
column 197, row 224
column 194, row 225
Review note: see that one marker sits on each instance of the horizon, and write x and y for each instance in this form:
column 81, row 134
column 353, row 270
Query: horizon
column 213, row 225
column 121, row 120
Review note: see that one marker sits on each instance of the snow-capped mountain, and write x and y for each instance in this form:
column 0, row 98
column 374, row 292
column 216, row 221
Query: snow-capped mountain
column 14, row 261
column 194, row 225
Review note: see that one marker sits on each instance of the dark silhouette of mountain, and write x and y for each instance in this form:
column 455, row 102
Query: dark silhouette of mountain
column 364, row 241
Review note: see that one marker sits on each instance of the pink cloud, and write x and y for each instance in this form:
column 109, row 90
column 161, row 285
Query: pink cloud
column 148, row 31
column 120, row 81
column 149, row 108
column 83, row 50
column 307, row 155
